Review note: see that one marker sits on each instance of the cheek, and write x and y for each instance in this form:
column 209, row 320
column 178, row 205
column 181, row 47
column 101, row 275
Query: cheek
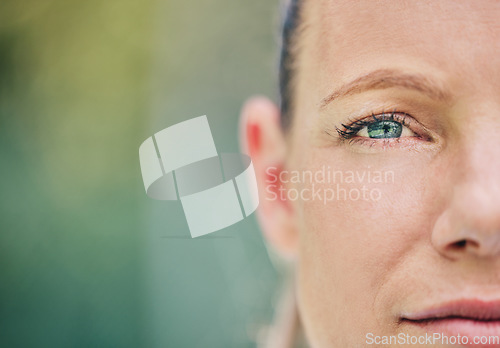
column 352, row 245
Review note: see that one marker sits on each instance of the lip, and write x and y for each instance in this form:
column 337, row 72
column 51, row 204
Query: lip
column 471, row 318
column 473, row 309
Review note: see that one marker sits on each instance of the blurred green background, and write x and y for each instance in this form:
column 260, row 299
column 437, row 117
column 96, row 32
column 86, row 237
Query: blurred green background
column 86, row 258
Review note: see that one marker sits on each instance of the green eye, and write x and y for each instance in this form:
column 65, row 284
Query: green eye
column 384, row 129
column 381, row 126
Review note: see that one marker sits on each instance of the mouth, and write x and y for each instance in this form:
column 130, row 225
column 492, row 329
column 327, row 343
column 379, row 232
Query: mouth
column 468, row 318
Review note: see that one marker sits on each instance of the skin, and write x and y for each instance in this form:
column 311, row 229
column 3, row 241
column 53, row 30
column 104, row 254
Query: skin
column 434, row 235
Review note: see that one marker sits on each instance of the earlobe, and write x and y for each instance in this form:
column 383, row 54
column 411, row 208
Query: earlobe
column 262, row 138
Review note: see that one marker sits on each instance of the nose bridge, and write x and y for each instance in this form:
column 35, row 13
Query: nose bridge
column 477, row 190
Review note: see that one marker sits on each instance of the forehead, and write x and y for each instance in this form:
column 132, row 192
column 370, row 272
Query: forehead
column 345, row 39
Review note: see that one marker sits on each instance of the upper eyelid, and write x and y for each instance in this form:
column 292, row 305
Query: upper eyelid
column 400, row 117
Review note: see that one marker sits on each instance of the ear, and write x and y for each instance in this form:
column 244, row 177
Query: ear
column 262, row 138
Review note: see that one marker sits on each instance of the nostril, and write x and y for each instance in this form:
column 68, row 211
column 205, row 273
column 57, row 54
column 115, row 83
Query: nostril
column 461, row 244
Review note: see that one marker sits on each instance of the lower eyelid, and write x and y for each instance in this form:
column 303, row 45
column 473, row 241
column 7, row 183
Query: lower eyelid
column 383, row 144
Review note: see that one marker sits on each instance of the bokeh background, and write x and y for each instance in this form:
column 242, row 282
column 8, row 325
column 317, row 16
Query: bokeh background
column 86, row 258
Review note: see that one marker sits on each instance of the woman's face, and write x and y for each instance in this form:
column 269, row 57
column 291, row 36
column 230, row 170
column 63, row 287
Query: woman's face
column 400, row 102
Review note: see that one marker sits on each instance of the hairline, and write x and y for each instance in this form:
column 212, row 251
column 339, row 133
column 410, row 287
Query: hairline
column 287, row 61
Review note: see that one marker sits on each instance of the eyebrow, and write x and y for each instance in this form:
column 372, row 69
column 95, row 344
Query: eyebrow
column 385, row 78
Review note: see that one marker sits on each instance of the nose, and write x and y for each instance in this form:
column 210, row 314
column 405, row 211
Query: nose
column 469, row 226
column 468, row 231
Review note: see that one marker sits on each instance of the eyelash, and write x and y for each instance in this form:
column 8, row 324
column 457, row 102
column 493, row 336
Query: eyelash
column 348, row 131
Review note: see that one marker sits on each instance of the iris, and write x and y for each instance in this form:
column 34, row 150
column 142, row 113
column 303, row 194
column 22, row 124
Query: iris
column 385, row 129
